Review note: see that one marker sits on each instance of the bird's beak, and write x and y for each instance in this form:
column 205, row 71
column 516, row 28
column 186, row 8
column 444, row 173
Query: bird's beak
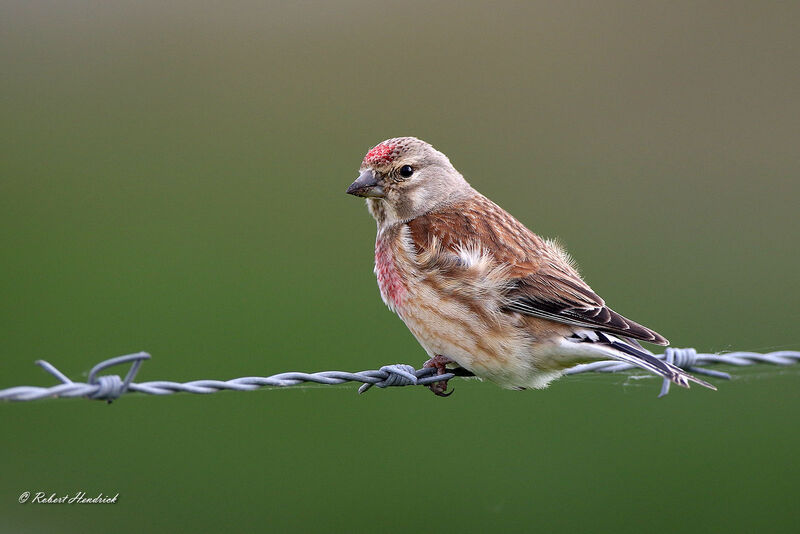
column 366, row 185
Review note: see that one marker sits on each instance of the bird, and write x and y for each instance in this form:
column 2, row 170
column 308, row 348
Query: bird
column 479, row 291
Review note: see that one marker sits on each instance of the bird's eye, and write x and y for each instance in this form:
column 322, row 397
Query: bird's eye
column 406, row 171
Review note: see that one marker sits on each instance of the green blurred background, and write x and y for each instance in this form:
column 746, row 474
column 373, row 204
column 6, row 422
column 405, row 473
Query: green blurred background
column 172, row 180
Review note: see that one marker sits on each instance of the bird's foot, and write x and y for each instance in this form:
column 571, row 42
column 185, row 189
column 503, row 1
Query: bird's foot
column 440, row 363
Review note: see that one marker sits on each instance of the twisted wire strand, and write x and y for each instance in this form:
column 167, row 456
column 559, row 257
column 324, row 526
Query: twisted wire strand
column 110, row 387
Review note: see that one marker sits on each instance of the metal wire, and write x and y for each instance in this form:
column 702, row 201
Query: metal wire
column 110, row 387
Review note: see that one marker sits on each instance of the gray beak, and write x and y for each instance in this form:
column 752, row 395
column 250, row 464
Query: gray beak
column 366, row 185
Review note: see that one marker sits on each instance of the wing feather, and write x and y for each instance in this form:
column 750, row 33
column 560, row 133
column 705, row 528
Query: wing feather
column 543, row 282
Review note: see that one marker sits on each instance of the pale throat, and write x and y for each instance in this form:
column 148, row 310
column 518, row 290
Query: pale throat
column 376, row 209
column 384, row 213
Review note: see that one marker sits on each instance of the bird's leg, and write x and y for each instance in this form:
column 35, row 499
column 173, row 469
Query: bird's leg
column 440, row 363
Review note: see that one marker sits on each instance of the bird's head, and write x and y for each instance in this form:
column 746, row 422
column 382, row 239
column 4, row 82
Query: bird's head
column 405, row 177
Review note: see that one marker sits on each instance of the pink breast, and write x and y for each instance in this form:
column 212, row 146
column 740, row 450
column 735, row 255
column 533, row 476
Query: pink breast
column 390, row 282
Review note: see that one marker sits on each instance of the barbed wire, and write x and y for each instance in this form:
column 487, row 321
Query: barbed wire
column 688, row 359
column 111, row 387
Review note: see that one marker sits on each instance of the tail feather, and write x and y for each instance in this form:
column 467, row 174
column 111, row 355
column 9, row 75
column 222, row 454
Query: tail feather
column 640, row 358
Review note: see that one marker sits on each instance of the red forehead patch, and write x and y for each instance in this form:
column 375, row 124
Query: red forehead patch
column 383, row 153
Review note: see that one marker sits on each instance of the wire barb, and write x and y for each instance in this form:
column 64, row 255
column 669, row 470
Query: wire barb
column 111, row 387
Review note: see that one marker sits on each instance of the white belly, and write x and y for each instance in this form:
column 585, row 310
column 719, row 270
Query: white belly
column 501, row 352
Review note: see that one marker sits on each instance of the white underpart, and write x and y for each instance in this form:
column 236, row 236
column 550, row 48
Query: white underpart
column 563, row 353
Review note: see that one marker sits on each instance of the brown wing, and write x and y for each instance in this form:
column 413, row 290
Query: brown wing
column 545, row 284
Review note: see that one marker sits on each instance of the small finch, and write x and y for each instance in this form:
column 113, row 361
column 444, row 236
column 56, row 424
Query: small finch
column 477, row 289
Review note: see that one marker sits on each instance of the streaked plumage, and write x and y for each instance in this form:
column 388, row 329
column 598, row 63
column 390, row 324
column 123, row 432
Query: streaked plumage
column 476, row 287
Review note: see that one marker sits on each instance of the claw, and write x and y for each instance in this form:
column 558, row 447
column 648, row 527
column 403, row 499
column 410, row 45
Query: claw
column 440, row 363
column 440, row 389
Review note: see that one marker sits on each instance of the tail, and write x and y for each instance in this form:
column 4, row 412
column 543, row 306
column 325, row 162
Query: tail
column 641, row 358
